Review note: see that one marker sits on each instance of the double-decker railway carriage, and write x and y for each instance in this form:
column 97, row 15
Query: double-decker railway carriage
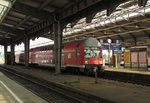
column 80, row 55
column 85, row 54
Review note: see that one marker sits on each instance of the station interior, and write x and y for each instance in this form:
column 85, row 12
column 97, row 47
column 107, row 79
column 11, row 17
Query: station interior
column 96, row 49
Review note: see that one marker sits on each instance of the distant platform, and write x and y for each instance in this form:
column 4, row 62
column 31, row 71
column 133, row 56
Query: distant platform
column 128, row 70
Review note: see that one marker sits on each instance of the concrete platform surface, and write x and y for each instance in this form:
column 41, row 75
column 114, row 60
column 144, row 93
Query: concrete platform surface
column 118, row 92
column 11, row 92
column 128, row 70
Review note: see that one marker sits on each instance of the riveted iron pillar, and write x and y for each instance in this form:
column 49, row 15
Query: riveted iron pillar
column 5, row 53
column 12, row 54
column 57, row 30
column 26, row 44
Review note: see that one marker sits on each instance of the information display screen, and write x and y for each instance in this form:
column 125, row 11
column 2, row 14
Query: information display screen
column 112, row 47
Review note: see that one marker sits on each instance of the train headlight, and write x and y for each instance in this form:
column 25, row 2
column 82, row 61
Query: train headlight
column 86, row 62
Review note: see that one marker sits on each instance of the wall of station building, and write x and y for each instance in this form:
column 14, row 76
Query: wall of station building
column 137, row 57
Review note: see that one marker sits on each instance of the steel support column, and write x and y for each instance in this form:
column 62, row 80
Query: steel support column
column 26, row 44
column 5, row 53
column 57, row 28
column 142, row 2
column 12, row 54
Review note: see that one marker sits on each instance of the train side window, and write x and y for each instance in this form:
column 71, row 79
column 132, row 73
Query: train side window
column 78, row 53
column 51, row 51
column 36, row 55
column 69, row 55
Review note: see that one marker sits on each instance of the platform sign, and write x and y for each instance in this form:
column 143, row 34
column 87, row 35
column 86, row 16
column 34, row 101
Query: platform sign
column 138, row 48
column 116, row 47
column 101, row 41
column 112, row 47
column 117, row 41
column 105, row 47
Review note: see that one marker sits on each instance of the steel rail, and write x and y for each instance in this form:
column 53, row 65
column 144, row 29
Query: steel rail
column 73, row 95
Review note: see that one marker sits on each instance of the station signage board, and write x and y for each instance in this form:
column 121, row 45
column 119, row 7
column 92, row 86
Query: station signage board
column 112, row 46
column 138, row 48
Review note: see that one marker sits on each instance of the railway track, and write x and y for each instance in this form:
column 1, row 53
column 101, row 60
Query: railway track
column 51, row 92
column 133, row 78
column 140, row 79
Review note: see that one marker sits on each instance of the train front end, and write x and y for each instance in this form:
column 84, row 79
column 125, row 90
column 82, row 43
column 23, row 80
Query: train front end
column 93, row 58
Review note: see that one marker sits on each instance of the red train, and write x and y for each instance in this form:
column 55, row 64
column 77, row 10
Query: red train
column 80, row 55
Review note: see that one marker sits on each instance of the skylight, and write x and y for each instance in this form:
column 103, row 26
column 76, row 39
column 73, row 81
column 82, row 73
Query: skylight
column 4, row 8
column 122, row 13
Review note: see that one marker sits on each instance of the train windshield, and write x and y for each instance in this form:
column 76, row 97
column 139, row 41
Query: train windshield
column 92, row 52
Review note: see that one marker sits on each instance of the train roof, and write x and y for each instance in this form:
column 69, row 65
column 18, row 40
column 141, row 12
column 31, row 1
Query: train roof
column 87, row 42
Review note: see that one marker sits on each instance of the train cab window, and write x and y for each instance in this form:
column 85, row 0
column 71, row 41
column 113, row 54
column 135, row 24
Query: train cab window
column 69, row 55
column 78, row 53
column 92, row 52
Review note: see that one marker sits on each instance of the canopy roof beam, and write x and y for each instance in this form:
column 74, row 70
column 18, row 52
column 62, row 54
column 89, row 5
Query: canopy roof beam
column 10, row 30
column 28, row 10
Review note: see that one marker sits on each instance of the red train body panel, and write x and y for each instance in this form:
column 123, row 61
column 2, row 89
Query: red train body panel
column 70, row 54
column 84, row 54
column 32, row 55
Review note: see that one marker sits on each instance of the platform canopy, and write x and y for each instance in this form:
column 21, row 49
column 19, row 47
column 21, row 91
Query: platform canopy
column 124, row 20
column 129, row 23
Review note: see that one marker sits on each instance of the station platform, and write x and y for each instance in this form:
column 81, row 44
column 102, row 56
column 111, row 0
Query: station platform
column 11, row 92
column 115, row 91
column 128, row 70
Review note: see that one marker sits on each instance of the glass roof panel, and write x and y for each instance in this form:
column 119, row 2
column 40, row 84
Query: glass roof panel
column 4, row 7
column 125, row 11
